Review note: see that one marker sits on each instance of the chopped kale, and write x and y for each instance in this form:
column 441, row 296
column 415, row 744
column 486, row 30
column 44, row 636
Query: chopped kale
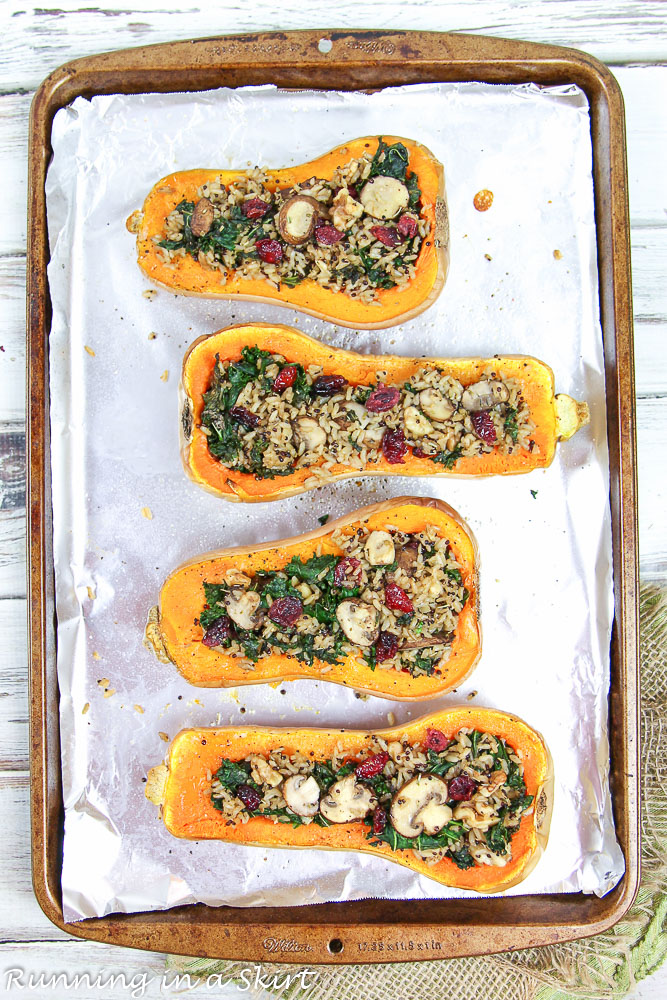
column 392, row 161
column 447, row 458
column 448, row 835
column 435, row 764
column 462, row 859
column 498, row 836
column 232, row 773
column 323, row 518
column 511, row 427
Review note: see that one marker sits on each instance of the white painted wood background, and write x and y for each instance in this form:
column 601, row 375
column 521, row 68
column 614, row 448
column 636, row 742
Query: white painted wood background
column 630, row 36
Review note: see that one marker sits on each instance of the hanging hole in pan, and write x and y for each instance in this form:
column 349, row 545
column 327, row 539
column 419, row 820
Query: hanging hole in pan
column 335, row 946
column 325, row 45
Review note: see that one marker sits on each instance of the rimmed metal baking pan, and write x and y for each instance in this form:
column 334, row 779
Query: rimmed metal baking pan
column 369, row 930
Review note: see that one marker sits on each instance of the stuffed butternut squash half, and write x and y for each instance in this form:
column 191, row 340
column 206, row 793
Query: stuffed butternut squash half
column 358, row 236
column 463, row 796
column 383, row 600
column 267, row 412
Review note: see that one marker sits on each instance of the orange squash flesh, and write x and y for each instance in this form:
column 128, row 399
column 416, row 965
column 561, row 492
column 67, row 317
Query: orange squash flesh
column 182, row 600
column 394, row 305
column 187, row 810
column 359, row 369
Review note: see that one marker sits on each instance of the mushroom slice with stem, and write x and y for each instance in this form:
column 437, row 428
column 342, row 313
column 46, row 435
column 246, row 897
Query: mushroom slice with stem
column 347, row 800
column 297, row 218
column 435, row 405
column 438, row 639
column 309, row 433
column 359, row 621
column 380, row 549
column 202, row 217
column 483, row 395
column 420, row 806
column 302, row 794
column 407, row 556
column 243, row 608
column 384, row 197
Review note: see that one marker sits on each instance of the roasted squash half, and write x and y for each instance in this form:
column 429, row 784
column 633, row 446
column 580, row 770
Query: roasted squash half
column 186, row 786
column 552, row 417
column 365, row 620
column 371, row 303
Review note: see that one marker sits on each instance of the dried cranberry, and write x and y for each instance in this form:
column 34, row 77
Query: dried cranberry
column 217, row 633
column 270, row 251
column 328, row 236
column 386, row 647
column 372, row 765
column 328, row 385
column 286, row 610
column 249, row 796
column 386, row 235
column 462, row 788
column 243, row 416
column 394, row 447
column 285, row 378
column 255, row 208
column 396, row 599
column 484, row 426
column 384, row 398
column 435, row 740
column 419, row 453
column 407, row 226
column 379, row 820
column 347, row 572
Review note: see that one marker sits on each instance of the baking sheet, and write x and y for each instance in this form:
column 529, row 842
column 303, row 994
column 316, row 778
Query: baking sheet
column 544, row 537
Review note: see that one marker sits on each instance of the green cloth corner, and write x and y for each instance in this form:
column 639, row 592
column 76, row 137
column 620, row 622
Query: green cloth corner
column 605, row 967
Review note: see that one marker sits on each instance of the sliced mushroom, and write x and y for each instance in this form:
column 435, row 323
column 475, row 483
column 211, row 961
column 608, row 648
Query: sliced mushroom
column 309, row 433
column 345, row 210
column 297, row 218
column 438, row 639
column 435, row 405
column 347, row 800
column 243, row 608
column 202, row 217
column 483, row 395
column 262, row 772
column 235, row 578
column 416, row 424
column 384, row 197
column 372, row 436
column 420, row 806
column 355, row 414
column 380, row 549
column 407, row 556
column 358, row 621
column 302, row 794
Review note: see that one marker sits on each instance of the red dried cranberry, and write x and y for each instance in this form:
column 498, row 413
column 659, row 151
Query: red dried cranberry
column 328, row 236
column 407, row 226
column 435, row 740
column 394, row 447
column 270, row 251
column 249, row 796
column 347, row 572
column 379, row 820
column 285, row 378
column 462, row 788
column 386, row 235
column 286, row 611
column 396, row 599
column 217, row 633
column 372, row 765
column 383, row 398
column 484, row 426
column 255, row 208
column 386, row 647
column 243, row 416
column 328, row 385
column 419, row 453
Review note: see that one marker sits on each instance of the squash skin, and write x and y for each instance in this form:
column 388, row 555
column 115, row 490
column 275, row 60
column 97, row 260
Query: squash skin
column 188, row 813
column 230, row 484
column 181, row 600
column 393, row 305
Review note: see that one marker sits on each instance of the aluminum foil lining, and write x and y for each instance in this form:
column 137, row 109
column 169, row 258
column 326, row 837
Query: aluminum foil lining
column 523, row 280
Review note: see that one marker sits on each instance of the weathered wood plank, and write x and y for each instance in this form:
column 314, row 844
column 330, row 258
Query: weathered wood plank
column 652, row 462
column 13, row 687
column 645, row 95
column 12, row 553
column 36, row 41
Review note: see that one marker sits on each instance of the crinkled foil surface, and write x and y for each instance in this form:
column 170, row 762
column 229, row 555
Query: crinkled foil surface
column 125, row 514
